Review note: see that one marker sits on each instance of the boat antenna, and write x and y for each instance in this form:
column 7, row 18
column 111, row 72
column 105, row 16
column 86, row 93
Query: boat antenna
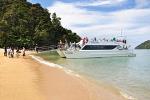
column 121, row 33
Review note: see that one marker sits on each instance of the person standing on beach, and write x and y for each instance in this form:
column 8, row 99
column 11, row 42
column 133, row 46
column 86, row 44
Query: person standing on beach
column 17, row 52
column 36, row 48
column 5, row 51
column 13, row 50
column 23, row 51
column 10, row 53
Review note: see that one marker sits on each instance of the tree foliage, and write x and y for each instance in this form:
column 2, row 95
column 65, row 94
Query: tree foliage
column 26, row 24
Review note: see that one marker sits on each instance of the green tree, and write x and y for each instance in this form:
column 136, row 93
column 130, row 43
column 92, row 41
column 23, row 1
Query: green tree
column 26, row 24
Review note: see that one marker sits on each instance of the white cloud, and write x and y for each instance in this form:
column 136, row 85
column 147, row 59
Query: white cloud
column 134, row 22
column 101, row 3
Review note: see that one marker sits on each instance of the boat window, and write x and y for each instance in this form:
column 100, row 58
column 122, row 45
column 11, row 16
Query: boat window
column 99, row 47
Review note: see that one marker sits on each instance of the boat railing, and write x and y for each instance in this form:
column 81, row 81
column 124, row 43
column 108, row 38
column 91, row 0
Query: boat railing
column 102, row 42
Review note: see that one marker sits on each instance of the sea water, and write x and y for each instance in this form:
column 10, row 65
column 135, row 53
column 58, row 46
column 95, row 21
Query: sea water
column 131, row 75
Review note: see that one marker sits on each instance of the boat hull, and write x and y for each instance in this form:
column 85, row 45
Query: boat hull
column 97, row 53
column 61, row 54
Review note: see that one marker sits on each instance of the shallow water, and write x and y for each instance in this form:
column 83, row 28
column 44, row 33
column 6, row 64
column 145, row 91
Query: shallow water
column 130, row 74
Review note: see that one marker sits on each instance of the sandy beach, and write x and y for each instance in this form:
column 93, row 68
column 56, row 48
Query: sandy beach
column 26, row 79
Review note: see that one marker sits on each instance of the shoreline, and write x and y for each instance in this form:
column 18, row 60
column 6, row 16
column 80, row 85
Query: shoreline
column 110, row 88
column 27, row 79
column 92, row 82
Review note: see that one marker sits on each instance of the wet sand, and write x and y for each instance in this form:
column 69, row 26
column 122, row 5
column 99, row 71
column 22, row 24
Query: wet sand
column 26, row 79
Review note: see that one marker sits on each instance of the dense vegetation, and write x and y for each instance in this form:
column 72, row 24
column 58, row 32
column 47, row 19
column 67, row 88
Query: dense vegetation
column 144, row 45
column 26, row 24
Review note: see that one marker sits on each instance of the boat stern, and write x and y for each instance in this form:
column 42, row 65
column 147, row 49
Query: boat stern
column 61, row 54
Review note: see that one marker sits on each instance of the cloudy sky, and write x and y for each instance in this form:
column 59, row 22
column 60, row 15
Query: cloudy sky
column 104, row 18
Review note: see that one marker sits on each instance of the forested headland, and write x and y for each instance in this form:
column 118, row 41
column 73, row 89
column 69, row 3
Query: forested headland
column 144, row 45
column 25, row 24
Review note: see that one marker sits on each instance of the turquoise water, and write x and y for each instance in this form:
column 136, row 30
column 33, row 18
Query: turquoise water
column 130, row 74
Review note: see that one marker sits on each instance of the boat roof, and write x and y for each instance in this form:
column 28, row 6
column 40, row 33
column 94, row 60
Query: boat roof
column 102, row 43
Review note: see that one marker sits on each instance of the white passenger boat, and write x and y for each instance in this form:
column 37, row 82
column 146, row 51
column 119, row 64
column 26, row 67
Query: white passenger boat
column 94, row 49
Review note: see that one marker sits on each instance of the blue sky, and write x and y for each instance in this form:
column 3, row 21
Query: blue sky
column 97, row 18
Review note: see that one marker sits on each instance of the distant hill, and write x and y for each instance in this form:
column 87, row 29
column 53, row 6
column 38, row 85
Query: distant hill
column 144, row 45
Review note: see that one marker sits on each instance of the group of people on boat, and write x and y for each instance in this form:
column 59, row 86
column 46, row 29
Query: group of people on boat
column 95, row 40
column 85, row 40
column 10, row 52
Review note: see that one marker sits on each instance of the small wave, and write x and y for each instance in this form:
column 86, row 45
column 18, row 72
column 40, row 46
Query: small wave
column 42, row 61
column 71, row 73
column 128, row 97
